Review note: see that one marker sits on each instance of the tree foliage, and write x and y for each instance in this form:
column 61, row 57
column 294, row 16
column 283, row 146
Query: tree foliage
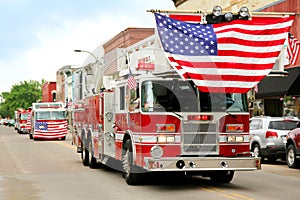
column 22, row 95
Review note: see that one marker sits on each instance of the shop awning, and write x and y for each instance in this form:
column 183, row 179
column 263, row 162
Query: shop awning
column 273, row 86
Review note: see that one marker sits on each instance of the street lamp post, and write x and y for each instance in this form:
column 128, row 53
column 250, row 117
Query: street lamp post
column 77, row 50
column 95, row 64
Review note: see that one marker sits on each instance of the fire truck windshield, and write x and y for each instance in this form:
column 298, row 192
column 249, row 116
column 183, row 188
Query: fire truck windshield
column 23, row 116
column 183, row 96
column 50, row 115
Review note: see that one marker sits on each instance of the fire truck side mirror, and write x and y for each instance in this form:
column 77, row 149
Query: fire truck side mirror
column 251, row 105
column 298, row 124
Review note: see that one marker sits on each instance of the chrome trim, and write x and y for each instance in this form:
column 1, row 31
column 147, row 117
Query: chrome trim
column 203, row 164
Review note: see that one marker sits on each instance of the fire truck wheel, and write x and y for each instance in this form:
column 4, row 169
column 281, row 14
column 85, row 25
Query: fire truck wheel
column 92, row 161
column 30, row 136
column 222, row 176
column 131, row 178
column 84, row 155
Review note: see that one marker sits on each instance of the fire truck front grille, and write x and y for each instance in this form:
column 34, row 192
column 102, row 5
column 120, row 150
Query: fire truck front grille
column 199, row 139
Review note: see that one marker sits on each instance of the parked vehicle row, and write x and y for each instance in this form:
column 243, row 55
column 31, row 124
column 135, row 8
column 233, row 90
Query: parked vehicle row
column 7, row 122
column 276, row 137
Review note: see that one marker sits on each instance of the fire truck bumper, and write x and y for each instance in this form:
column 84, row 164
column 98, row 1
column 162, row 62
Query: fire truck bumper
column 203, row 164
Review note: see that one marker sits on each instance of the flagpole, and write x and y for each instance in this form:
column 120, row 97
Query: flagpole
column 208, row 12
column 174, row 11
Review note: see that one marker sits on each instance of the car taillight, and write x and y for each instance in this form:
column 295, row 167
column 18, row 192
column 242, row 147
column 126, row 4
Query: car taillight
column 271, row 134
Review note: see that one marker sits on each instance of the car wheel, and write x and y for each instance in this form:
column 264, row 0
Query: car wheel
column 257, row 151
column 291, row 159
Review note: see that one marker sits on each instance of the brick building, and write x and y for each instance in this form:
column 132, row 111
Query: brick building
column 49, row 92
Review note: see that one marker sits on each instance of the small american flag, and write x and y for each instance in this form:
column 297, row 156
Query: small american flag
column 131, row 81
column 293, row 49
column 227, row 57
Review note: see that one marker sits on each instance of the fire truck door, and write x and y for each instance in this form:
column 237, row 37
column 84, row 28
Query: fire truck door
column 108, row 130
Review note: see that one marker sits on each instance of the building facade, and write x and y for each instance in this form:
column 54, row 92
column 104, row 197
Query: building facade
column 65, row 83
column 49, row 92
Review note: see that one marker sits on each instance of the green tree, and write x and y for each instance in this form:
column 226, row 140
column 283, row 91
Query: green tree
column 22, row 95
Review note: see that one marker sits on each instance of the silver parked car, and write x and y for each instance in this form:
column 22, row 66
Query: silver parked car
column 268, row 136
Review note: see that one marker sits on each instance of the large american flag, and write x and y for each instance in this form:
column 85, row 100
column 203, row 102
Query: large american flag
column 227, row 57
column 51, row 127
column 293, row 49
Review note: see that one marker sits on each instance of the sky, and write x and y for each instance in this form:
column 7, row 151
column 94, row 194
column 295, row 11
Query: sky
column 38, row 37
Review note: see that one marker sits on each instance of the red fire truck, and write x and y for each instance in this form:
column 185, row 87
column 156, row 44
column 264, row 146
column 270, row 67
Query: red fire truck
column 48, row 121
column 20, row 120
column 151, row 119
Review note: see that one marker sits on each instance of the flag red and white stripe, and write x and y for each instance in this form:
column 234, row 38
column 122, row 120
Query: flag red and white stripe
column 293, row 49
column 246, row 51
column 28, row 122
column 131, row 81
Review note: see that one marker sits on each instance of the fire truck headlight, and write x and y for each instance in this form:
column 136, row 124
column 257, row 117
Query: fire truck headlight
column 165, row 139
column 156, row 152
column 235, row 138
column 239, row 139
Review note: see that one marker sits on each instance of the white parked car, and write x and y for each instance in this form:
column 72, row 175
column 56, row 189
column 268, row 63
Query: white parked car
column 268, row 136
column 3, row 121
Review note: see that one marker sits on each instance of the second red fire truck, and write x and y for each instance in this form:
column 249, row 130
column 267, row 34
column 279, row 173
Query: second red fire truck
column 48, row 121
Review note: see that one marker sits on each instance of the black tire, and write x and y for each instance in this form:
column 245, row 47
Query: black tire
column 222, row 176
column 291, row 159
column 63, row 138
column 129, row 169
column 93, row 160
column 256, row 150
column 30, row 136
column 84, row 155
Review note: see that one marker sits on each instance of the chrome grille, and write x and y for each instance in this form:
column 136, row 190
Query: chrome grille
column 199, row 139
